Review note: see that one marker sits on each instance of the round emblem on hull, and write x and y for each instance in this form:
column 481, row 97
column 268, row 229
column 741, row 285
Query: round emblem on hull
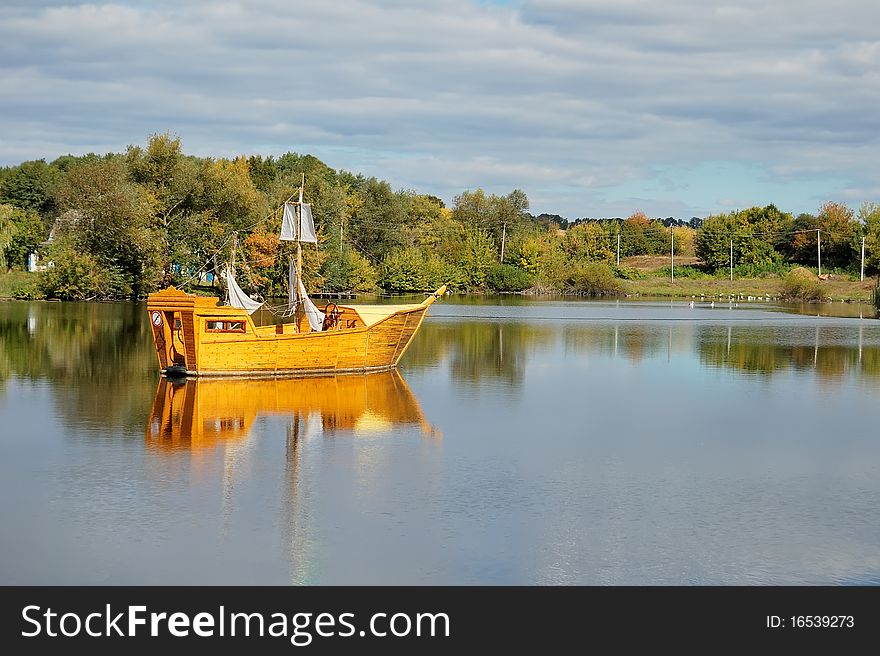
column 156, row 317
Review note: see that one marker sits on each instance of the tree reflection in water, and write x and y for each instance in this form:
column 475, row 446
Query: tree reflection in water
column 97, row 357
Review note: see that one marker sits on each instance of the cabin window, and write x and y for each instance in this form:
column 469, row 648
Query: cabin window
column 224, row 326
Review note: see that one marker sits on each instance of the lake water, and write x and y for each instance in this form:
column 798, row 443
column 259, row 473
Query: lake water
column 524, row 441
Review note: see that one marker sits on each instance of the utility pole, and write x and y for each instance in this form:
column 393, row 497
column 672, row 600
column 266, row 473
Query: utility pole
column 341, row 223
column 863, row 259
column 819, row 249
column 503, row 237
column 672, row 253
column 618, row 244
column 731, row 259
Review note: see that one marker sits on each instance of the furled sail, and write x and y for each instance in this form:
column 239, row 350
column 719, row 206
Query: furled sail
column 314, row 315
column 306, row 222
column 237, row 297
column 298, row 291
column 291, row 289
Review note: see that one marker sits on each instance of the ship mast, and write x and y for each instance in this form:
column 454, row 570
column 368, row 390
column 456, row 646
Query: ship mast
column 298, row 225
column 299, row 261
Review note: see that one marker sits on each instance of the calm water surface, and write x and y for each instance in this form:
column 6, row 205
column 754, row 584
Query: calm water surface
column 523, row 442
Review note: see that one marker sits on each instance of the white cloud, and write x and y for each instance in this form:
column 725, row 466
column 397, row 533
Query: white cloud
column 578, row 103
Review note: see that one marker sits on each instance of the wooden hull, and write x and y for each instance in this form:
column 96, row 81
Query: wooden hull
column 198, row 337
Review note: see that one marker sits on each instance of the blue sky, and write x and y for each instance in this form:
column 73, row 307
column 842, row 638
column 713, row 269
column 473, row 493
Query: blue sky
column 592, row 107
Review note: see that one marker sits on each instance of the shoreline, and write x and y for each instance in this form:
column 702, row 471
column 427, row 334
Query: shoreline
column 838, row 291
column 770, row 289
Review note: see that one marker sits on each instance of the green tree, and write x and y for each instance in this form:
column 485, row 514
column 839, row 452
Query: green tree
column 841, row 235
column 588, row 241
column 377, row 220
column 230, row 195
column 501, row 217
column 117, row 226
column 21, row 233
column 753, row 232
column 428, row 222
column 412, row 269
column 634, row 235
column 800, row 246
column 349, row 271
column 263, row 171
column 869, row 215
column 475, row 257
column 526, row 252
column 7, row 228
column 30, row 186
column 175, row 183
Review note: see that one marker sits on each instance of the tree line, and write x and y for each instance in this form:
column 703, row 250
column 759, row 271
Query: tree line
column 122, row 225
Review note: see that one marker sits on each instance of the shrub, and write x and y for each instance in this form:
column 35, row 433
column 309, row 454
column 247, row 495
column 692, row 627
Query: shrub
column 412, row 270
column 592, row 279
column 765, row 270
column 349, row 271
column 508, row 278
column 801, row 285
column 627, row 273
column 75, row 277
column 27, row 292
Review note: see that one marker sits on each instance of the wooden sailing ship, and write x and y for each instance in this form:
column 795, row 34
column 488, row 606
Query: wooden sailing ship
column 199, row 336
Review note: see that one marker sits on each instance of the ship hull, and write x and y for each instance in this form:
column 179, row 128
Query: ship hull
column 188, row 341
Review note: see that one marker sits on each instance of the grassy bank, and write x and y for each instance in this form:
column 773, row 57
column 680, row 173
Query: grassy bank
column 13, row 283
column 653, row 283
column 837, row 290
column 656, row 281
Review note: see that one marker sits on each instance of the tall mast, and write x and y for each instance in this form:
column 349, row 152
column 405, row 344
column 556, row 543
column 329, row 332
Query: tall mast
column 299, row 257
column 232, row 265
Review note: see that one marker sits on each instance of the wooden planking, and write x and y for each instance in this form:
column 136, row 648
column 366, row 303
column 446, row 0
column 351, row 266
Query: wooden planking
column 383, row 339
column 189, row 339
column 260, row 350
column 160, row 341
column 416, row 319
column 352, row 352
column 413, row 320
column 352, row 349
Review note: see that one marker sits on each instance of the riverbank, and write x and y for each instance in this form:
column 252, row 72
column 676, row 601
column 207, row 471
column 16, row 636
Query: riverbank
column 656, row 280
column 13, row 283
column 835, row 290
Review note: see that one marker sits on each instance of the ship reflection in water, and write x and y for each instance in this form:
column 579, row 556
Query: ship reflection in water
column 284, row 457
column 199, row 413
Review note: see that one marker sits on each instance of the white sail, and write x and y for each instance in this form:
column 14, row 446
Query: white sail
column 307, row 224
column 300, row 227
column 315, row 316
column 289, row 223
column 237, row 297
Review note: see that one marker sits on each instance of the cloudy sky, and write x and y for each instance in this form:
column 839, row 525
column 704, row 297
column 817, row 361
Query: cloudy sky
column 592, row 107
